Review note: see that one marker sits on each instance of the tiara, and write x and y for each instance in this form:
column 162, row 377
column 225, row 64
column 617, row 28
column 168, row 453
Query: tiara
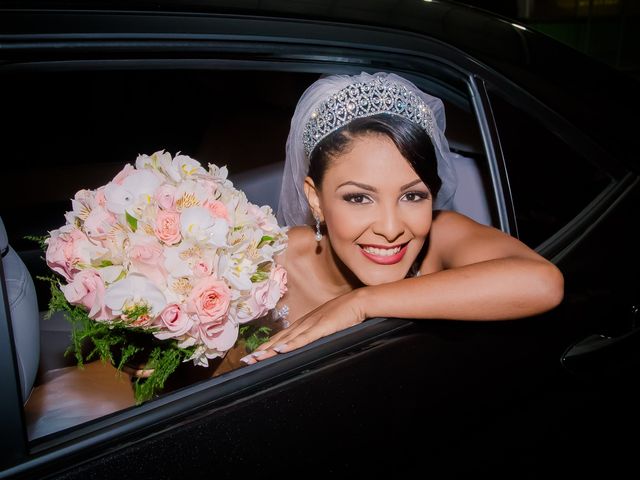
column 364, row 99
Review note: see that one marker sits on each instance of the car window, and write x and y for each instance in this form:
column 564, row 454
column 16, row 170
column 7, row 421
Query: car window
column 83, row 128
column 550, row 181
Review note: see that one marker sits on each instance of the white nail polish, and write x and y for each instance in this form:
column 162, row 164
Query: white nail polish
column 281, row 346
column 259, row 353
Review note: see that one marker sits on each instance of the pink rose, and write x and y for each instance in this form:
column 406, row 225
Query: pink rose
column 219, row 337
column 217, row 209
column 147, row 258
column 168, row 227
column 66, row 250
column 264, row 297
column 209, row 300
column 201, row 269
column 99, row 222
column 173, row 321
column 165, row 197
column 124, row 173
column 278, row 275
column 87, row 289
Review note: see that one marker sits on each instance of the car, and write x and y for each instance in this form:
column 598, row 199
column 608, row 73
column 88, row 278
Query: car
column 545, row 151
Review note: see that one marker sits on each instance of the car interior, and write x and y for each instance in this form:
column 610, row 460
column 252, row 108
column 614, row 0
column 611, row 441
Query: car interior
column 86, row 126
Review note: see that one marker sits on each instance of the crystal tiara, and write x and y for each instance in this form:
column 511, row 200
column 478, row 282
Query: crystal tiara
column 365, row 99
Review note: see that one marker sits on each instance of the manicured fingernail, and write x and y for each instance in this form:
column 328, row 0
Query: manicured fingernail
column 281, row 346
column 285, row 324
column 248, row 359
column 258, row 353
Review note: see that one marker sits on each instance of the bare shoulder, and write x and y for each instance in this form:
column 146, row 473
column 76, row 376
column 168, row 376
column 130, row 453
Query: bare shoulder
column 456, row 240
column 448, row 226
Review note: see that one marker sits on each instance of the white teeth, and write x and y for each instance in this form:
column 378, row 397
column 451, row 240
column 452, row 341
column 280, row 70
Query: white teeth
column 382, row 252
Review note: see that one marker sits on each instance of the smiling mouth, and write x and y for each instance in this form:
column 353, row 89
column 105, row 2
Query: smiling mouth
column 384, row 255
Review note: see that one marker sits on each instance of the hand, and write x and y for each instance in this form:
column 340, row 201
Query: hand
column 335, row 315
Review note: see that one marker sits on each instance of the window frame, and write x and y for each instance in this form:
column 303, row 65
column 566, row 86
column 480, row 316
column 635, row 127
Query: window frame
column 562, row 242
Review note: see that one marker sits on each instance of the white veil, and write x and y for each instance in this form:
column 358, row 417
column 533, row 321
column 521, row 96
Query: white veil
column 293, row 208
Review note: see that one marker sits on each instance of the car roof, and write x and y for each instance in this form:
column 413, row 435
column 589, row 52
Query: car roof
column 595, row 97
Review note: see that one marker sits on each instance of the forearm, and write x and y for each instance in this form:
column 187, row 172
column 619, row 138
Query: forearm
column 499, row 289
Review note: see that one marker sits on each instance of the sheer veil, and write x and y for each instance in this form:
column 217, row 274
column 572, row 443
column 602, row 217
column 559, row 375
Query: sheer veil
column 293, row 208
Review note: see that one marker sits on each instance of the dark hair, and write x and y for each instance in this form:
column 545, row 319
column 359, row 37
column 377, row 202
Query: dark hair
column 411, row 140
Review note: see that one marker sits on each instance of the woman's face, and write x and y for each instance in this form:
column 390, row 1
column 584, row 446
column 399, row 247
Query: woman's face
column 376, row 209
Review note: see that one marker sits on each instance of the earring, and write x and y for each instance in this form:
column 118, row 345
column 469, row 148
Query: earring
column 318, row 232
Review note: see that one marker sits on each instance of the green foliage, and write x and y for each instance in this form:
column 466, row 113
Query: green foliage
column 254, row 336
column 39, row 239
column 132, row 221
column 265, row 239
column 259, row 277
column 164, row 362
column 117, row 343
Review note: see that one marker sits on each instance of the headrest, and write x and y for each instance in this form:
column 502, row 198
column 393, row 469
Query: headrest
column 4, row 240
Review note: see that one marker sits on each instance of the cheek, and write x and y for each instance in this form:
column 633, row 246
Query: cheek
column 420, row 222
column 343, row 224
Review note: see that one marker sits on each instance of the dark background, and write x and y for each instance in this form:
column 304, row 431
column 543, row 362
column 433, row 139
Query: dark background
column 608, row 30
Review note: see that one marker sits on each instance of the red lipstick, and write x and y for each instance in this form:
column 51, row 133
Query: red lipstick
column 384, row 259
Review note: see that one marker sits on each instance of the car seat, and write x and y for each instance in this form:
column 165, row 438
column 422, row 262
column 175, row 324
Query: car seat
column 24, row 314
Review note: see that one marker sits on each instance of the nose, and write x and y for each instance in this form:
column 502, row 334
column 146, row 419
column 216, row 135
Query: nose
column 389, row 223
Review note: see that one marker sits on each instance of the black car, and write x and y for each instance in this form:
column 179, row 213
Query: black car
column 546, row 152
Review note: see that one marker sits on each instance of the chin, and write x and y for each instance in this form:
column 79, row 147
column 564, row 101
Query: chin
column 381, row 277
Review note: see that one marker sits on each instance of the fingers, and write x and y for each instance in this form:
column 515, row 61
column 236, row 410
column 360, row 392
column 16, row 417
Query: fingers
column 258, row 355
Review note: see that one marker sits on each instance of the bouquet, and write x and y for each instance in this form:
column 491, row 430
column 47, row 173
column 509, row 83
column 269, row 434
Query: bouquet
column 166, row 250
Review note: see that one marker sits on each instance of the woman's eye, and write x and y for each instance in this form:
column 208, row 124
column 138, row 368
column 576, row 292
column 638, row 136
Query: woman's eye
column 415, row 196
column 357, row 198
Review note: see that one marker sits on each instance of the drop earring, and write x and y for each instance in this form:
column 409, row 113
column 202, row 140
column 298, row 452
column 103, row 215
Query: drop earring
column 318, row 232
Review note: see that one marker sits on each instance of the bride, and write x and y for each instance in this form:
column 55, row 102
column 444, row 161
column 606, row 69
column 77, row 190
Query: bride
column 367, row 182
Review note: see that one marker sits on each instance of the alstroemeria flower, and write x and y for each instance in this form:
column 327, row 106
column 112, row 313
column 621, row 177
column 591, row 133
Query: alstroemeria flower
column 238, row 272
column 181, row 167
column 153, row 161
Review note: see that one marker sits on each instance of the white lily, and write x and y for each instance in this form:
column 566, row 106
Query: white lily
column 199, row 225
column 134, row 290
column 137, row 189
column 110, row 273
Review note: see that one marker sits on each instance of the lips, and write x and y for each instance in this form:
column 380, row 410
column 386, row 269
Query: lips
column 384, row 255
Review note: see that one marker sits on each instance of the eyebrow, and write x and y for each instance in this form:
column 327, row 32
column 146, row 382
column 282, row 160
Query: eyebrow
column 364, row 186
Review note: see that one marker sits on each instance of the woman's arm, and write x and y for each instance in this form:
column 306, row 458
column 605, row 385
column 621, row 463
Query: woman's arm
column 484, row 274
column 477, row 273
